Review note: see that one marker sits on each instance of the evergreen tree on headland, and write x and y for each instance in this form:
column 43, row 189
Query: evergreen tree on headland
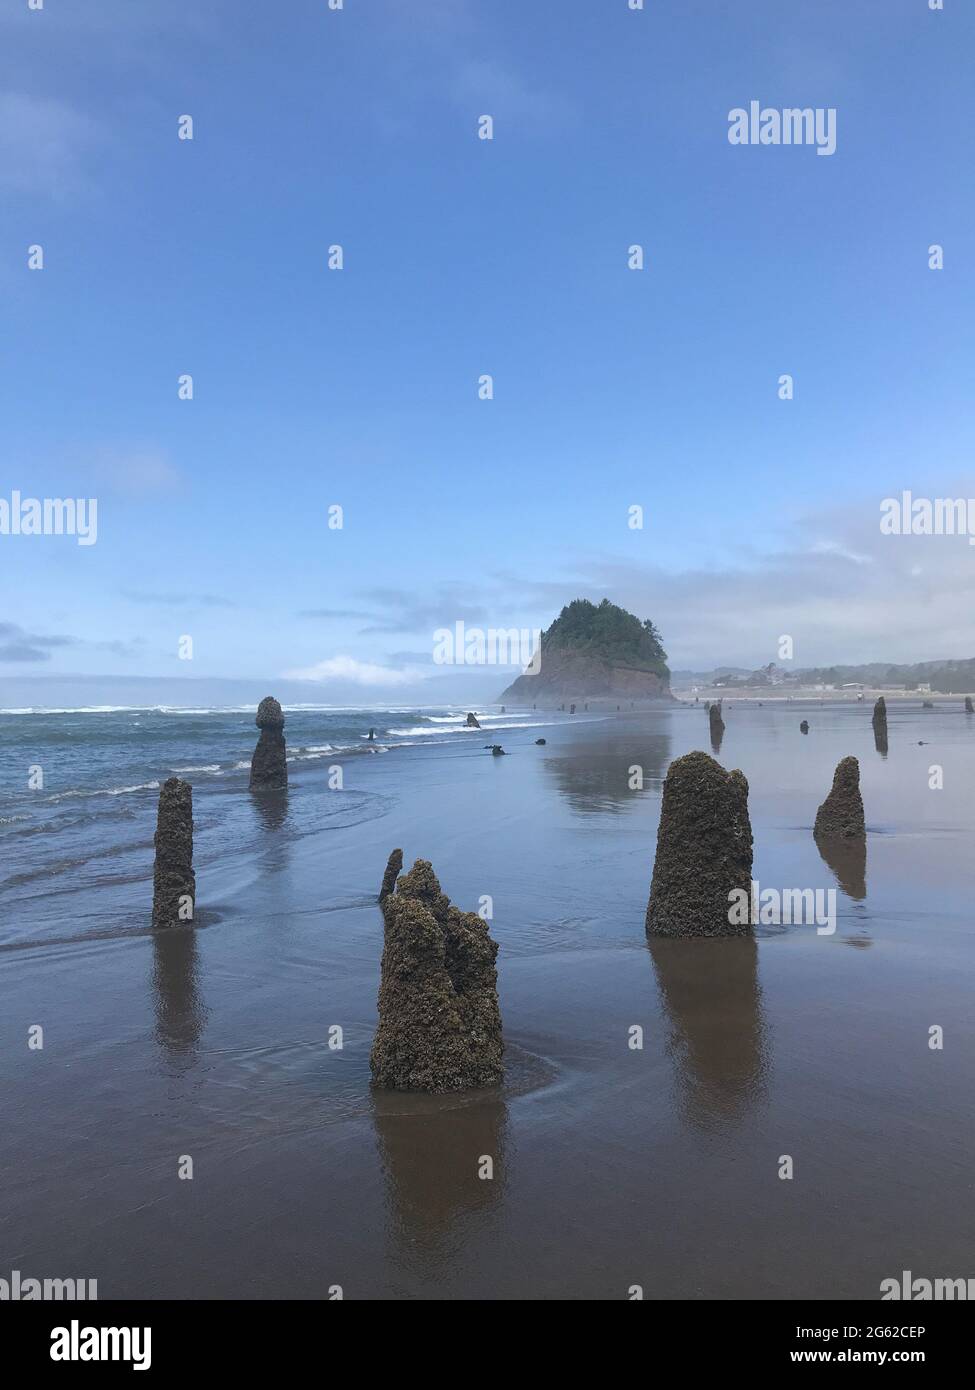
column 608, row 632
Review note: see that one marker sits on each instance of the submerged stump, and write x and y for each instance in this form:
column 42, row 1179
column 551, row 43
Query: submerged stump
column 717, row 726
column 439, row 1018
column 841, row 814
column 269, row 765
column 393, row 865
column 173, row 880
column 704, row 851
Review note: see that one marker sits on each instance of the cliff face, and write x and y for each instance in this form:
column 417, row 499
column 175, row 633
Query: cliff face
column 566, row 676
column 595, row 652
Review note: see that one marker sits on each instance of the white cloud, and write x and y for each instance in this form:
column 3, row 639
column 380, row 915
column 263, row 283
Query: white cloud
column 347, row 668
column 843, row 591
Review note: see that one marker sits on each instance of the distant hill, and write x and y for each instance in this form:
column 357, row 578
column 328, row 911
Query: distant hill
column 682, row 680
column 944, row 677
column 596, row 652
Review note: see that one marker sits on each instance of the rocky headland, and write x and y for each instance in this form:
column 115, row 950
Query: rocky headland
column 597, row 653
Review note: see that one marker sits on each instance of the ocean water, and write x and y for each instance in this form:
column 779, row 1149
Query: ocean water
column 89, row 823
column 612, row 1165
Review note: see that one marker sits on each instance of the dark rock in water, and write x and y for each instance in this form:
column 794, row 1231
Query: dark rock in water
column 841, row 814
column 471, row 722
column 927, row 704
column 880, row 726
column 539, row 741
column 848, row 861
column 969, row 707
column 393, row 865
column 704, row 851
column 439, row 1019
column 717, row 726
column 804, row 727
column 269, row 766
column 173, row 880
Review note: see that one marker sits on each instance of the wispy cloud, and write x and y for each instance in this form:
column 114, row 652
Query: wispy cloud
column 18, row 645
column 395, row 611
column 412, row 658
column 179, row 600
column 44, row 145
column 111, row 30
column 390, row 610
column 120, row 647
column 135, row 471
column 347, row 668
column 501, row 91
column 336, row 613
column 843, row 591
column 446, row 51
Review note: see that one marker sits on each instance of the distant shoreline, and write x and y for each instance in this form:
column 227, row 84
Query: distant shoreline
column 849, row 697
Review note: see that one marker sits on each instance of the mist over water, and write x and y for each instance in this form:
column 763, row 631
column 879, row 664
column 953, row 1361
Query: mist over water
column 612, row 1165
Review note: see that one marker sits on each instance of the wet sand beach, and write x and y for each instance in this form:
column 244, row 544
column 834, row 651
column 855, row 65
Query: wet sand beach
column 613, row 1166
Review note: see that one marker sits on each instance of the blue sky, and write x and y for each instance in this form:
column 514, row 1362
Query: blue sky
column 462, row 256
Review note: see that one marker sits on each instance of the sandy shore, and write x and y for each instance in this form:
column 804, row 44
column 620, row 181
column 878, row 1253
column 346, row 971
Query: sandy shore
column 793, row 696
column 613, row 1165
